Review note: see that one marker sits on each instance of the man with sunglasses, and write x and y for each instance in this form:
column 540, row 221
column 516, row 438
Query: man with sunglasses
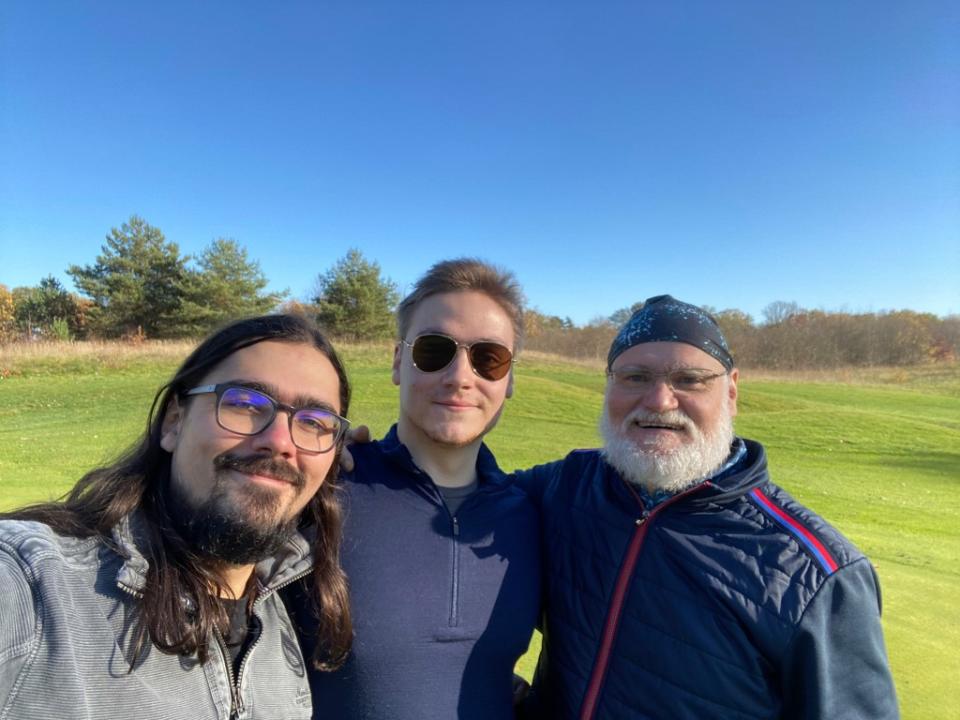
column 150, row 591
column 681, row 582
column 441, row 551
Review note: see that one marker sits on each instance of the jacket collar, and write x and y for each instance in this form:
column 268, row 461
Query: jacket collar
column 130, row 536
column 727, row 485
column 733, row 482
column 489, row 473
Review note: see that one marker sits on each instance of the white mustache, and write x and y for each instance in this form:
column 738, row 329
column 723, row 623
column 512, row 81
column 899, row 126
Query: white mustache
column 676, row 418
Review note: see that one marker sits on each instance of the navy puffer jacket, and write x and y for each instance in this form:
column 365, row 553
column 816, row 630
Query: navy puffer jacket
column 729, row 601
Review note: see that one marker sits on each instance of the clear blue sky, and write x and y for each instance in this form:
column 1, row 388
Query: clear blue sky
column 731, row 154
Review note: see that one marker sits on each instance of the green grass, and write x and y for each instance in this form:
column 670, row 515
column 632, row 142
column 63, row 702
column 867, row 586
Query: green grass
column 883, row 464
column 879, row 456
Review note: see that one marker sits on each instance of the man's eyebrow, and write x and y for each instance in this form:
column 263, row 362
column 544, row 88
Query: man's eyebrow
column 305, row 401
column 675, row 367
column 299, row 401
column 265, row 388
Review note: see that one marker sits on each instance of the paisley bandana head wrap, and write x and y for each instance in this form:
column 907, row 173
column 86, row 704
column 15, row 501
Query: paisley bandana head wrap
column 666, row 319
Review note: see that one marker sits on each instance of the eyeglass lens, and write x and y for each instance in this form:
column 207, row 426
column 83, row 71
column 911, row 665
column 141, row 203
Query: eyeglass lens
column 432, row 353
column 682, row 381
column 248, row 412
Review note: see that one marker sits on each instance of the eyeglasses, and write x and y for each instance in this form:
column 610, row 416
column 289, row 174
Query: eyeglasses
column 246, row 411
column 433, row 352
column 686, row 381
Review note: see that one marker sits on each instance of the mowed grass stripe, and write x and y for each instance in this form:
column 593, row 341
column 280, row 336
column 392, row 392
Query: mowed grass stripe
column 881, row 462
column 879, row 401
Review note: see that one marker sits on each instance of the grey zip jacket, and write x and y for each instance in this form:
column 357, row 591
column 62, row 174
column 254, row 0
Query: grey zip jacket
column 67, row 612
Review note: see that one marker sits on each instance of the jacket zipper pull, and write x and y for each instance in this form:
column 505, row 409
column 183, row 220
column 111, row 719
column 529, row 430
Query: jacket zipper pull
column 640, row 521
column 456, row 527
column 236, row 701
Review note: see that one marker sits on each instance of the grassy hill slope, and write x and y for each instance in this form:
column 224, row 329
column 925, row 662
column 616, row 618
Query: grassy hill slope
column 878, row 455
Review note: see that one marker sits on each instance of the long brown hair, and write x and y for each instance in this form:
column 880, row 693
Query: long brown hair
column 138, row 481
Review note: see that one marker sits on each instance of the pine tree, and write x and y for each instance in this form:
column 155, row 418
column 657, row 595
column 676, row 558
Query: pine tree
column 354, row 301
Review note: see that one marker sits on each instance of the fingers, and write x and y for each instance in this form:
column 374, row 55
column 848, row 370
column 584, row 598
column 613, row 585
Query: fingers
column 346, row 460
column 359, row 435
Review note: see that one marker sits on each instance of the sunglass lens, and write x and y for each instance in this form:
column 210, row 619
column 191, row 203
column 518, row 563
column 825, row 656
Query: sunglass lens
column 490, row 360
column 433, row 352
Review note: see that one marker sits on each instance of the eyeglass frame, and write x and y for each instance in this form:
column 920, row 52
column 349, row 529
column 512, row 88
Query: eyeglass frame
column 220, row 388
column 467, row 346
column 655, row 377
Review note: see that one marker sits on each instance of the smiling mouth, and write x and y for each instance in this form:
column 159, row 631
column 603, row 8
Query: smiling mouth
column 263, row 470
column 657, row 426
column 266, row 476
column 454, row 404
column 264, row 479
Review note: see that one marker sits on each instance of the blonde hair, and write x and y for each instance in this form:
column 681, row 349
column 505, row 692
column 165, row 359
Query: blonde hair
column 467, row 274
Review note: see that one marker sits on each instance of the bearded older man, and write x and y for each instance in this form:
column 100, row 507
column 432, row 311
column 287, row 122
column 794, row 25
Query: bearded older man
column 681, row 582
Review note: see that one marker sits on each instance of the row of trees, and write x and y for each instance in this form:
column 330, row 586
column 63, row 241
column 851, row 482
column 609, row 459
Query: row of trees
column 141, row 286
column 802, row 338
column 790, row 337
column 46, row 308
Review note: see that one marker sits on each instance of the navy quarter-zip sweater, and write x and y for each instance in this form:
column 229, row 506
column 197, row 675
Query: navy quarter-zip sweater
column 443, row 606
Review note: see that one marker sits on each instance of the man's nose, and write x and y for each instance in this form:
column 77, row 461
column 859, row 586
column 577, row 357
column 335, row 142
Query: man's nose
column 460, row 371
column 275, row 437
column 660, row 396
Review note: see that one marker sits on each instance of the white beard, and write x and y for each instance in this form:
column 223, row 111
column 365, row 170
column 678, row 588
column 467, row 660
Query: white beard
column 658, row 469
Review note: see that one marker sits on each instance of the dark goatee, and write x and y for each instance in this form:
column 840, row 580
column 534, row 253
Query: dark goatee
column 239, row 528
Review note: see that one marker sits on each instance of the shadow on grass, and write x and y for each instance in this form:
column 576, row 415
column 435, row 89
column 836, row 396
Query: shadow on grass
column 938, row 467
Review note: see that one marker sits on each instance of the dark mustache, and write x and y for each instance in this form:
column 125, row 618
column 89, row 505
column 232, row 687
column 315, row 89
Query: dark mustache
column 260, row 466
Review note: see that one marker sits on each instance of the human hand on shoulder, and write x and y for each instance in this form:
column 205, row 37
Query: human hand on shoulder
column 359, row 434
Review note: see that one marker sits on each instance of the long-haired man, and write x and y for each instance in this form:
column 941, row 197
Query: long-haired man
column 150, row 590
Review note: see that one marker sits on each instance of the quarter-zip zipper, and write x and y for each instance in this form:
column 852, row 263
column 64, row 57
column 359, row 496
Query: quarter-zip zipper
column 612, row 624
column 454, row 619
column 437, row 496
column 455, row 584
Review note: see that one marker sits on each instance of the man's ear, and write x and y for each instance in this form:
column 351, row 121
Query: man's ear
column 732, row 391
column 170, row 428
column 395, row 375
